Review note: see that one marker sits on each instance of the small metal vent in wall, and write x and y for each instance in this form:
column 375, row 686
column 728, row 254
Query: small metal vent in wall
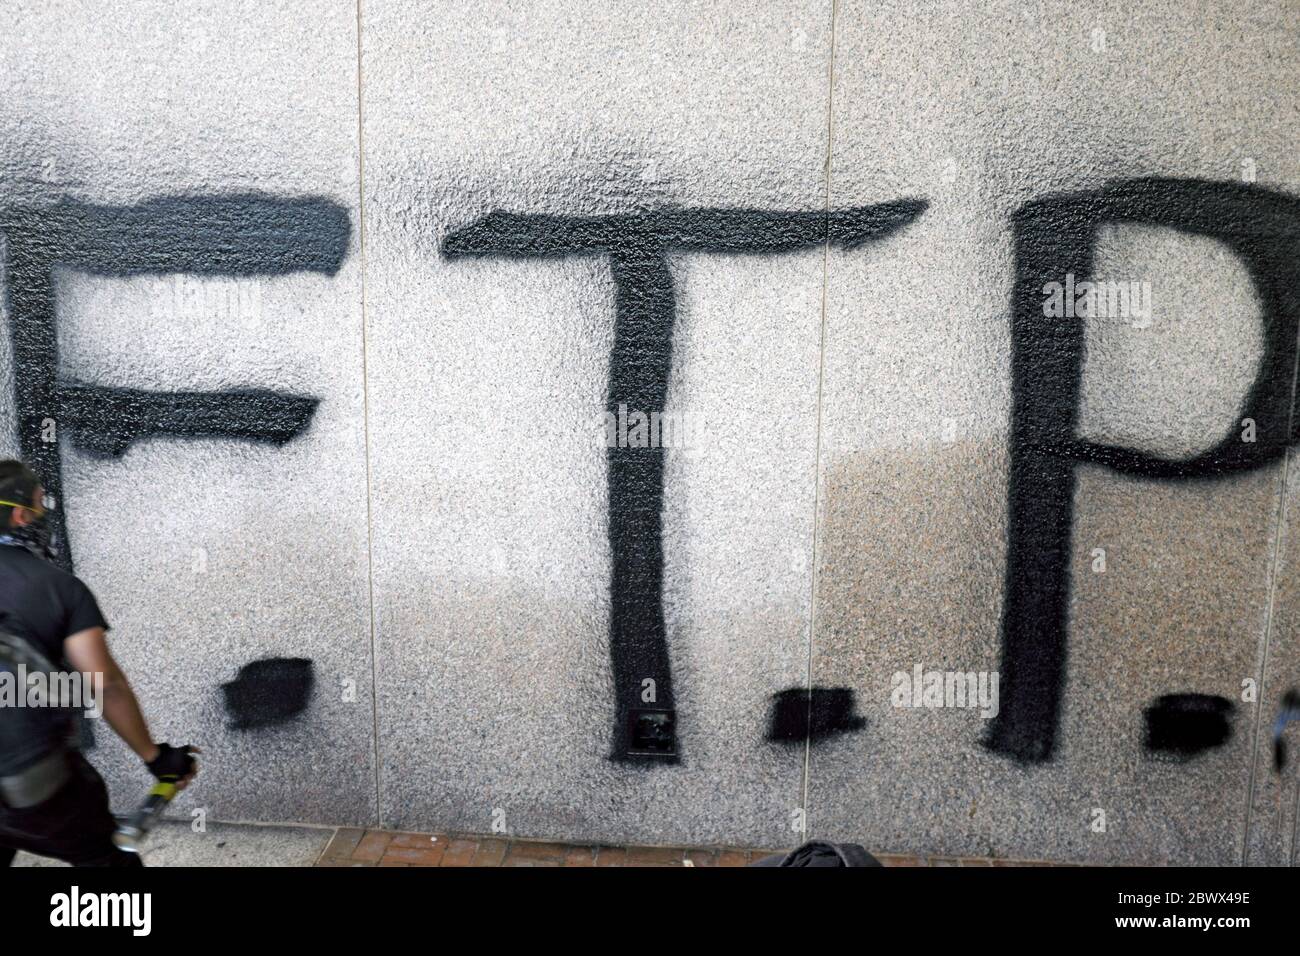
column 651, row 733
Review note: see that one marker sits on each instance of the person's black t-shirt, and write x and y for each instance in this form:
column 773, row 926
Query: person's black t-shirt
column 43, row 603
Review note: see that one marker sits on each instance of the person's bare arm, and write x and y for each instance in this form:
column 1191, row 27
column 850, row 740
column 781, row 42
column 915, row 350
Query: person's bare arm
column 87, row 652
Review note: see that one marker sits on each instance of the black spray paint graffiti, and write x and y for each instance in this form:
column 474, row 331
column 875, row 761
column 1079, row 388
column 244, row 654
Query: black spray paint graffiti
column 638, row 246
column 131, row 415
column 1181, row 726
column 234, row 236
column 268, row 692
column 1055, row 236
column 247, row 235
column 807, row 714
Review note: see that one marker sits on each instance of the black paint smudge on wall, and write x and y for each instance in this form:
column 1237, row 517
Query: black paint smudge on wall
column 1055, row 236
column 1184, row 725
column 268, row 691
column 237, row 235
column 638, row 246
column 812, row 714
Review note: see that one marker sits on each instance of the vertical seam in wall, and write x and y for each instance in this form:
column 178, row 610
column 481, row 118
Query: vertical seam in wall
column 817, row 447
column 365, row 427
column 1262, row 658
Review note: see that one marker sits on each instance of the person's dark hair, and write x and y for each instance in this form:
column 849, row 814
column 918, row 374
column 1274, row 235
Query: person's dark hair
column 17, row 483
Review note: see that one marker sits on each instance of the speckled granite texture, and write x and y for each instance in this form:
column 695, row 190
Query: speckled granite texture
column 433, row 533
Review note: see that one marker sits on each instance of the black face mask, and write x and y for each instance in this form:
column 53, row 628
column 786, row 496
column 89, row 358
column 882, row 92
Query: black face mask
column 34, row 536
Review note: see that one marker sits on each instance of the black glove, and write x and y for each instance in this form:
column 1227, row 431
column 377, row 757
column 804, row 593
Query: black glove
column 171, row 762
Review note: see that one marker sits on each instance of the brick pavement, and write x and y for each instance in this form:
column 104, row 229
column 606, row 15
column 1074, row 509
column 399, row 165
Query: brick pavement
column 357, row 847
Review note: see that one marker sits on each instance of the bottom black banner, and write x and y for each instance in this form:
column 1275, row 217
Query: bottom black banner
column 182, row 906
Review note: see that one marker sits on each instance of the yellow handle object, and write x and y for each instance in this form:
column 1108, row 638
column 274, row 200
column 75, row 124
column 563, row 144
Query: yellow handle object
column 164, row 789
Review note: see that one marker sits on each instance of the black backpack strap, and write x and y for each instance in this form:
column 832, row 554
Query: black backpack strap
column 37, row 781
column 15, row 650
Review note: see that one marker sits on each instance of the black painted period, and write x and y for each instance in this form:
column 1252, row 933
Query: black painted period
column 1055, row 236
column 268, row 692
column 812, row 714
column 237, row 235
column 638, row 246
column 1184, row 725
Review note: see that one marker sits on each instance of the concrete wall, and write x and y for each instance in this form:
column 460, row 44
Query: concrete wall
column 314, row 313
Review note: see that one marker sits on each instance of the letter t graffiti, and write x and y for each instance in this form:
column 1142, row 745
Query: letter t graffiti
column 637, row 247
